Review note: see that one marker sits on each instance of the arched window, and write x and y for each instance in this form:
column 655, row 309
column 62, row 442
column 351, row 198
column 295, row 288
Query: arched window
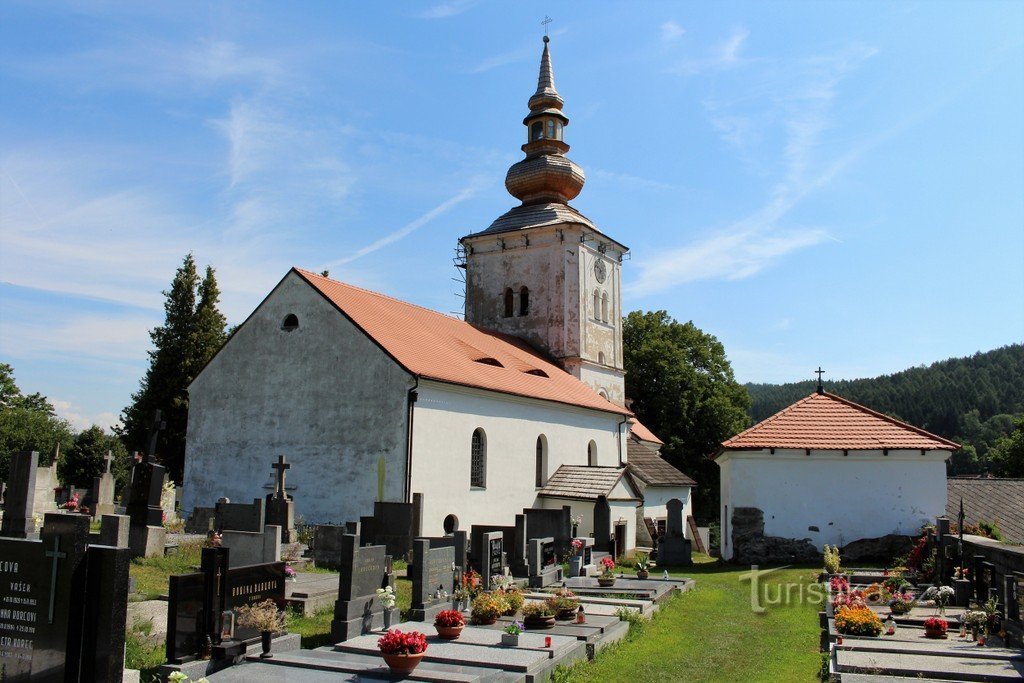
column 597, row 305
column 537, row 130
column 542, row 461
column 603, row 394
column 592, row 454
column 551, row 128
column 291, row 322
column 524, row 301
column 478, row 460
column 604, row 306
column 558, row 130
column 509, row 303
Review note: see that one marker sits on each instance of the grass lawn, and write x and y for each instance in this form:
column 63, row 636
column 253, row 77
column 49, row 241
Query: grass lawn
column 711, row 633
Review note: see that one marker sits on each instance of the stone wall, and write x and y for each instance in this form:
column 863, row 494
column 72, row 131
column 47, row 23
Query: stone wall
column 751, row 546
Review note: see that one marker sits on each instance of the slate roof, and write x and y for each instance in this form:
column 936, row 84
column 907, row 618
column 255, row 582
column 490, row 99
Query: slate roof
column 581, row 482
column 993, row 500
column 639, row 430
column 535, row 215
column 652, row 469
column 439, row 347
column 828, row 422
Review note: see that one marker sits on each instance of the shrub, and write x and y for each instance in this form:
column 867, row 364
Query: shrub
column 831, row 558
column 563, row 599
column 487, row 606
column 449, row 618
column 858, row 621
column 537, row 610
column 513, row 599
column 991, row 529
column 263, row 616
column 395, row 642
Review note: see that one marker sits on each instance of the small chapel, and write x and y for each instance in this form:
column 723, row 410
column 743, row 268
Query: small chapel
column 521, row 404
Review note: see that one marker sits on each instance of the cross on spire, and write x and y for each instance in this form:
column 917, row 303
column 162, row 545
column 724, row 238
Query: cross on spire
column 280, row 466
column 819, row 372
column 547, row 20
column 56, row 554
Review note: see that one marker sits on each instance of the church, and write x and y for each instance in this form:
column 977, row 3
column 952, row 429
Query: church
column 522, row 404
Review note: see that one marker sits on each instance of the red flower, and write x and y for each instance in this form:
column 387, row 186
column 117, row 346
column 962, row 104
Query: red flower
column 395, row 642
column 449, row 618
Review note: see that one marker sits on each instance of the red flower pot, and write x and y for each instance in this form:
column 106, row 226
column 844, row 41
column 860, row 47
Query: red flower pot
column 449, row 632
column 934, row 632
column 402, row 664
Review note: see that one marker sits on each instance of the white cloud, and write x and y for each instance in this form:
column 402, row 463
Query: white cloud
column 80, row 419
column 723, row 55
column 443, row 10
column 671, row 31
column 728, row 52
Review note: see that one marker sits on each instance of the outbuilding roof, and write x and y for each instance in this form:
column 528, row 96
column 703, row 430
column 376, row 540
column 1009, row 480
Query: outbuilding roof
column 435, row 346
column 652, row 469
column 1000, row 501
column 639, row 430
column 825, row 421
column 581, row 482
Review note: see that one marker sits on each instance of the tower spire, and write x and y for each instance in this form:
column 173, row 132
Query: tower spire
column 546, row 174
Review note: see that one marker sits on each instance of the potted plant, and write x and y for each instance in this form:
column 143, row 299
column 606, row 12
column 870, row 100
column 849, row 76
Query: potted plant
column 901, row 603
column 935, row 627
column 858, row 620
column 513, row 599
column 975, row 621
column 577, row 520
column 510, row 636
column 487, row 608
column 607, row 577
column 564, row 603
column 289, row 573
column 265, row 618
column 940, row 595
column 386, row 595
column 831, row 560
column 538, row 615
column 402, row 651
column 991, row 608
column 449, row 624
column 460, row 598
column 643, row 565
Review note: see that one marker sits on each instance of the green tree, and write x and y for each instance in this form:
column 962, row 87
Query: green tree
column 193, row 331
column 682, row 387
column 84, row 458
column 1007, row 457
column 27, row 423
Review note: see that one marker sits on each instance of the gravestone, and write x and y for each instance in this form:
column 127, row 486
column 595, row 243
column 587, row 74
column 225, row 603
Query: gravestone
column 459, row 542
column 44, row 497
column 582, row 562
column 146, row 532
column 602, row 525
column 361, row 572
column 479, row 561
column 241, row 516
column 327, row 544
column 103, row 487
column 1012, row 600
column 20, row 497
column 674, row 548
column 201, row 520
column 280, row 506
column 490, row 551
column 63, row 605
column 252, row 547
column 395, row 526
column 168, row 499
column 544, row 568
column 432, row 573
column 114, row 531
column 557, row 524
column 518, row 561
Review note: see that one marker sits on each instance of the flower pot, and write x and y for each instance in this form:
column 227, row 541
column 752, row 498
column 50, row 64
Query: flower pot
column 402, row 664
column 899, row 608
column 642, row 574
column 387, row 618
column 510, row 639
column 606, row 581
column 266, row 638
column 565, row 614
column 934, row 632
column 485, row 621
column 449, row 632
column 539, row 623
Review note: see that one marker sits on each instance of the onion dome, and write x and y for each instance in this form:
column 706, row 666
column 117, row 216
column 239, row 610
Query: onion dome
column 546, row 174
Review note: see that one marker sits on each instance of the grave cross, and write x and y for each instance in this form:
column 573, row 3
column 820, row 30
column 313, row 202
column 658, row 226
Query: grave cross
column 109, row 457
column 819, row 372
column 280, row 466
column 155, row 426
column 56, row 555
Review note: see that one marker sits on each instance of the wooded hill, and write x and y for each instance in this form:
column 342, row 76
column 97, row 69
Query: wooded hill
column 973, row 399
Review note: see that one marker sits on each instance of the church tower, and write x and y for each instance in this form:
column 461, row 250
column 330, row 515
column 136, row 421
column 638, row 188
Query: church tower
column 543, row 271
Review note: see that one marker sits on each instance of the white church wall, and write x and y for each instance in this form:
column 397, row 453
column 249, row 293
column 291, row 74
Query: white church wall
column 323, row 395
column 656, row 499
column 445, row 418
column 862, row 495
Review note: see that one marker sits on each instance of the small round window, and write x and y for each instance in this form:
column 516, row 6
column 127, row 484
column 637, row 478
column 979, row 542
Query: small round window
column 291, row 322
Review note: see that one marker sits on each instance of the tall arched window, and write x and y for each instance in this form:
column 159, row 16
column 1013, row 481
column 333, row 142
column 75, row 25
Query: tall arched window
column 592, row 454
column 509, row 303
column 478, row 460
column 604, row 306
column 597, row 305
column 542, row 461
column 524, row 301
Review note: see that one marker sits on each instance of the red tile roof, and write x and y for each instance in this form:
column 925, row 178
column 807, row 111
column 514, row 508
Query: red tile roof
column 828, row 422
column 439, row 347
column 640, row 431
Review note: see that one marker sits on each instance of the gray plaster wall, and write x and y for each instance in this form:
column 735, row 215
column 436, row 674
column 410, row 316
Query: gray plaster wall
column 324, row 395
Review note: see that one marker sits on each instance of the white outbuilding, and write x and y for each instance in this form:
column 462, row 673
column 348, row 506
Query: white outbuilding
column 827, row 470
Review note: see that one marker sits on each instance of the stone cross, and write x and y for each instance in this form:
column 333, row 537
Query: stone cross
column 819, row 372
column 56, row 555
column 109, row 457
column 155, row 426
column 280, row 466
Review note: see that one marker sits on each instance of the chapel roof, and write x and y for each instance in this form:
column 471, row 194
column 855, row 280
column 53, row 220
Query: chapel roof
column 435, row 346
column 825, row 421
column 583, row 482
column 650, row 468
column 994, row 500
column 640, row 431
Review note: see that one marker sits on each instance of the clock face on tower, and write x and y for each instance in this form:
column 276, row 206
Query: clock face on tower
column 600, row 270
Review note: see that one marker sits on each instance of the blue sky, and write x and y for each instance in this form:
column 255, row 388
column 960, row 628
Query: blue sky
column 814, row 183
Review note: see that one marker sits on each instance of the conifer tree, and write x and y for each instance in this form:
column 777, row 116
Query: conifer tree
column 193, row 331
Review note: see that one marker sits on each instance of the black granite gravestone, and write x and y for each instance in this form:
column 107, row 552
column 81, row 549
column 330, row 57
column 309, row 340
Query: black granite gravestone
column 19, row 497
column 432, row 570
column 241, row 516
column 602, row 525
column 674, row 548
column 543, row 564
column 361, row 572
column 556, row 524
column 485, row 543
